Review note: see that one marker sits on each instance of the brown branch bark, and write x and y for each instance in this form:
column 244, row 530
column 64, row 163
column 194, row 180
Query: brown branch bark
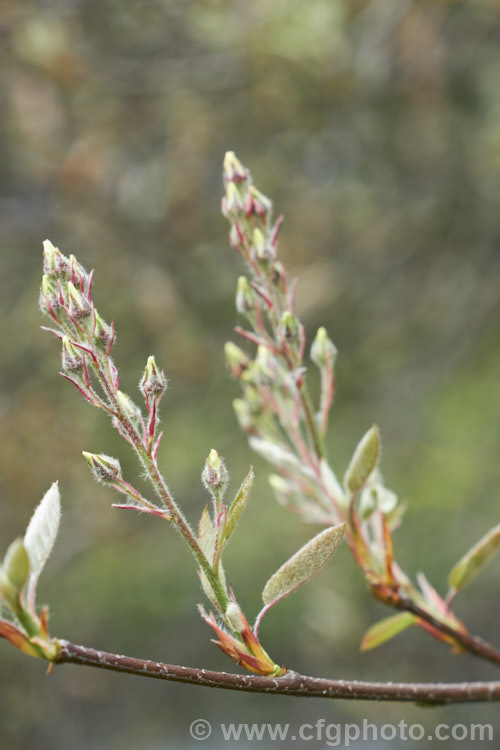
column 291, row 684
column 471, row 643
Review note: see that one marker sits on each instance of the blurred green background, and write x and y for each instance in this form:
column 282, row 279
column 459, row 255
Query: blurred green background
column 375, row 127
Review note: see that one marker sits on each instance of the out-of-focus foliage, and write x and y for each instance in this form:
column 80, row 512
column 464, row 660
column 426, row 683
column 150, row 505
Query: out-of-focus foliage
column 375, row 125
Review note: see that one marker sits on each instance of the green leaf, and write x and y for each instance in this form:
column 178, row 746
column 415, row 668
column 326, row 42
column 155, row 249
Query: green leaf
column 236, row 508
column 304, row 563
column 364, row 461
column 385, row 629
column 16, row 564
column 475, row 559
column 42, row 530
column 206, row 535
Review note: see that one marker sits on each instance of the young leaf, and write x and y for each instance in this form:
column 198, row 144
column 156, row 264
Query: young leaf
column 238, row 504
column 299, row 568
column 42, row 530
column 364, row 461
column 475, row 559
column 206, row 535
column 16, row 564
column 385, row 629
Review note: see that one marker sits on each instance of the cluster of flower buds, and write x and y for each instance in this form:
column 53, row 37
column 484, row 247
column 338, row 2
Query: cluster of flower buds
column 66, row 296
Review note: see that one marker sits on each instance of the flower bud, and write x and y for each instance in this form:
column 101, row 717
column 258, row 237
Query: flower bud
column 78, row 305
column 323, row 350
column 292, row 332
column 16, row 564
column 72, row 357
column 104, row 468
column 77, row 273
column 245, row 297
column 50, row 300
column 154, row 382
column 257, row 203
column 232, row 201
column 215, row 475
column 236, row 359
column 55, row 264
column 264, row 251
column 278, row 276
column 233, row 170
column 103, row 334
column 128, row 407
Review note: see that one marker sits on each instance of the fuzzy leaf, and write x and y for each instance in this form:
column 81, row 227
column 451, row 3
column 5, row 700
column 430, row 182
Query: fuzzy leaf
column 385, row 629
column 475, row 559
column 364, row 461
column 16, row 564
column 299, row 568
column 206, row 535
column 42, row 530
column 236, row 508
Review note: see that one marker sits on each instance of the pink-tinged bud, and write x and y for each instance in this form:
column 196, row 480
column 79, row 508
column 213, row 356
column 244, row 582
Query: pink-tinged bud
column 50, row 301
column 103, row 334
column 154, row 382
column 233, row 201
column 77, row 274
column 233, row 170
column 215, row 475
column 55, row 264
column 72, row 358
column 245, row 297
column 236, row 359
column 292, row 332
column 264, row 251
column 78, row 306
column 278, row 276
column 257, row 203
column 104, row 468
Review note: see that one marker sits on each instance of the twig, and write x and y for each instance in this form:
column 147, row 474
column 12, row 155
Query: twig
column 428, row 693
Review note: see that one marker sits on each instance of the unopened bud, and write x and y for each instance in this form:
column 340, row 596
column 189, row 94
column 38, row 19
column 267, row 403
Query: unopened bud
column 323, row 350
column 257, row 203
column 264, row 251
column 278, row 276
column 245, row 297
column 78, row 305
column 55, row 264
column 236, row 359
column 154, row 382
column 233, row 170
column 233, row 200
column 72, row 357
column 292, row 332
column 215, row 475
column 128, row 407
column 103, row 334
column 16, row 564
column 104, row 468
column 77, row 273
column 234, row 617
column 49, row 295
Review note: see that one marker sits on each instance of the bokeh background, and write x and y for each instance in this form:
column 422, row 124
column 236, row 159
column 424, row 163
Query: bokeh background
column 375, row 127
